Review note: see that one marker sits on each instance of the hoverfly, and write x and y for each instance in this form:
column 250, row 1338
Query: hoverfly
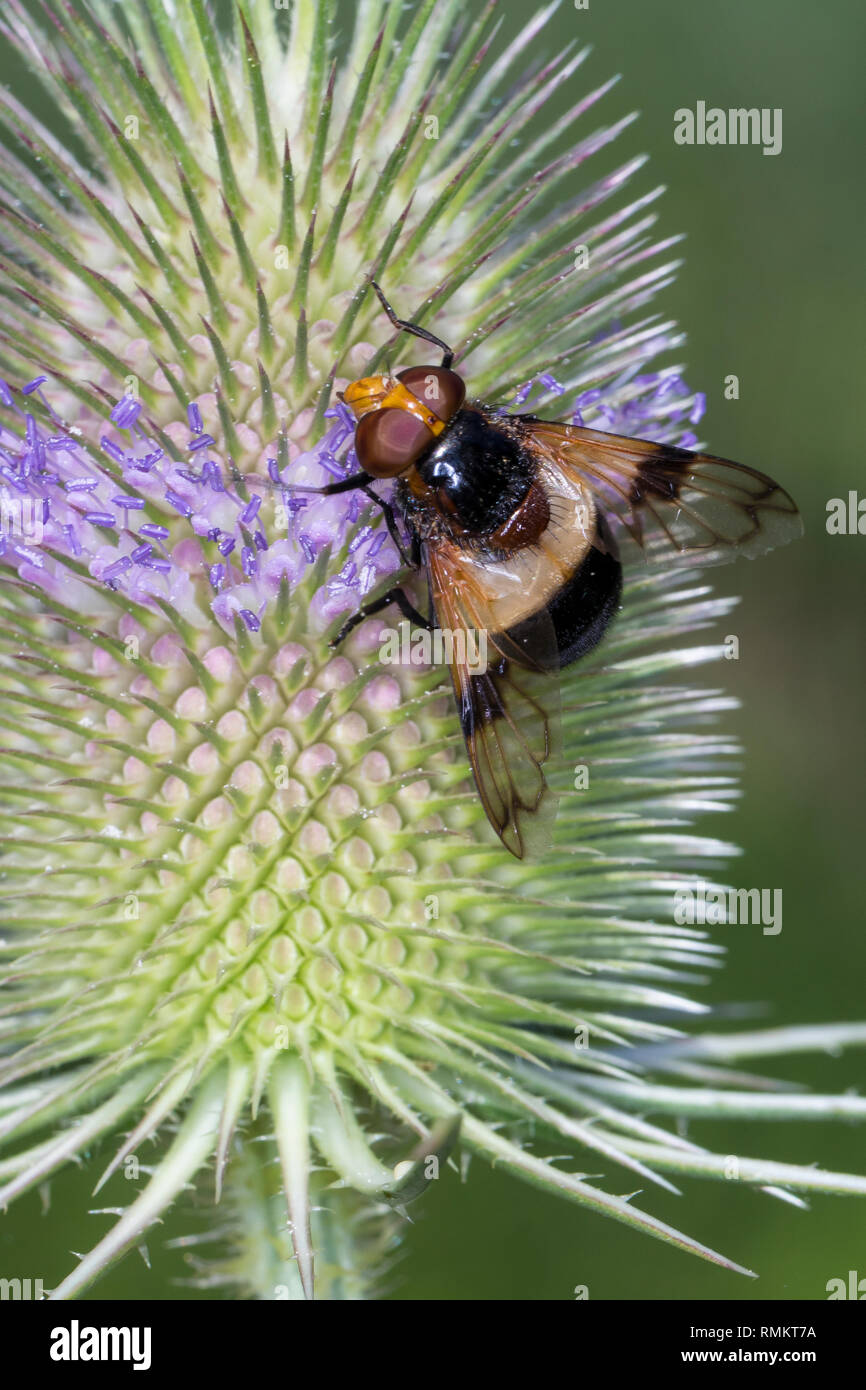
column 517, row 523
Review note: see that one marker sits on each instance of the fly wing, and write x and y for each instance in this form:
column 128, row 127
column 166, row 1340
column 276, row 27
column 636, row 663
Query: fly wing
column 669, row 499
column 508, row 700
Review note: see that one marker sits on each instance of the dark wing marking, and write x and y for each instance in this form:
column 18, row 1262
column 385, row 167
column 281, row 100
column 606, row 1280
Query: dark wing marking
column 508, row 711
column 666, row 497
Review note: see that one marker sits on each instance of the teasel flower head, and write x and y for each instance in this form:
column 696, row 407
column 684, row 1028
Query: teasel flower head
column 258, row 931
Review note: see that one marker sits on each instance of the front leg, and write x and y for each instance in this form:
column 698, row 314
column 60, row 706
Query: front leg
column 391, row 523
column 354, row 482
column 395, row 595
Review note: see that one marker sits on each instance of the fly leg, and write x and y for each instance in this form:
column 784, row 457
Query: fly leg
column 395, row 595
column 413, row 328
column 360, row 481
column 391, row 523
column 354, row 480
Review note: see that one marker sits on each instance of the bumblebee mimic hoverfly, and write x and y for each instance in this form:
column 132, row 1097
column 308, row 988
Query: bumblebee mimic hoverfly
column 520, row 526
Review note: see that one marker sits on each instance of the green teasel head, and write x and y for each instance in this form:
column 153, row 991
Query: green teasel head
column 259, row 935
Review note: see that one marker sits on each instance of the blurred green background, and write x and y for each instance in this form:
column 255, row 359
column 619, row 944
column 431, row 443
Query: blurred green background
column 773, row 291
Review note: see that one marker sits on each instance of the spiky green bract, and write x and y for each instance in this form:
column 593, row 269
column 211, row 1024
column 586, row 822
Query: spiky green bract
column 255, row 914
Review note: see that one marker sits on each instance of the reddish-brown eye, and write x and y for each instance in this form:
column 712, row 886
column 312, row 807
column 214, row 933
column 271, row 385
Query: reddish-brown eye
column 388, row 441
column 441, row 390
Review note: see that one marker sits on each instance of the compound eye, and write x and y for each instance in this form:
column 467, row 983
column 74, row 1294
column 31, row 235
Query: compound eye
column 440, row 389
column 387, row 442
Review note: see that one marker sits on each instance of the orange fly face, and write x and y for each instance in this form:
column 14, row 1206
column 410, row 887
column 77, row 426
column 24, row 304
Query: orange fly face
column 366, row 394
column 400, row 416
